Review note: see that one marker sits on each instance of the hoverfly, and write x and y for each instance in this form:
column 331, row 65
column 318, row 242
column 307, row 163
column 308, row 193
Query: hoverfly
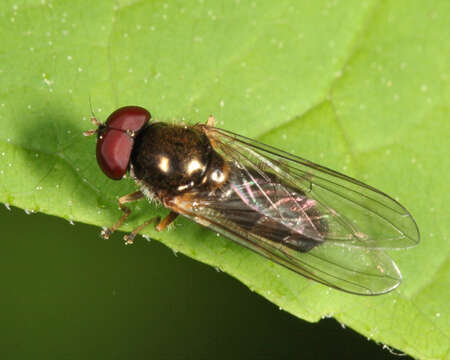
column 315, row 221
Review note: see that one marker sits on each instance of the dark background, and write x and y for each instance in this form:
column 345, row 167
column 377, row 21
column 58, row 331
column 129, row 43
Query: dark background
column 68, row 294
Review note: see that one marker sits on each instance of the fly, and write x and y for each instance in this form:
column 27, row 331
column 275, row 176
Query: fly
column 314, row 221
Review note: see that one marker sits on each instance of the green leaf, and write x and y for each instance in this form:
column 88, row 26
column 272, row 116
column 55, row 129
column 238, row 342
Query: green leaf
column 359, row 86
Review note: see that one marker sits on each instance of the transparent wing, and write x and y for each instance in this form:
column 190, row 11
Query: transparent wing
column 319, row 223
column 355, row 270
column 357, row 214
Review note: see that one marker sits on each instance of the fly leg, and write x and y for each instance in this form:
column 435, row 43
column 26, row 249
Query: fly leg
column 106, row 233
column 129, row 238
column 166, row 221
column 211, row 121
column 162, row 224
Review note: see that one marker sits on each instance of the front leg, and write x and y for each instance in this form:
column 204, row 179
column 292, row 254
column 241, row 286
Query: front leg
column 106, row 233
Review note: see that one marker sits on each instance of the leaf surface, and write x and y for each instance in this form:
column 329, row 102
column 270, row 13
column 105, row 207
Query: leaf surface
column 361, row 87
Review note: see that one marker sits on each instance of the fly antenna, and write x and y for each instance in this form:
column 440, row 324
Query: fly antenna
column 93, row 117
column 93, row 120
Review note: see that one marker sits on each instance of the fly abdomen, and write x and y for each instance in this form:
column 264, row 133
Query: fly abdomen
column 279, row 233
column 282, row 221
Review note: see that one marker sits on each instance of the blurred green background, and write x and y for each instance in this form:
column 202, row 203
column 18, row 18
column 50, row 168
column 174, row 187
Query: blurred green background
column 68, row 294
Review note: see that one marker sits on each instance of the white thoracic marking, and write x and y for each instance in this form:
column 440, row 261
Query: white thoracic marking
column 164, row 164
column 218, row 176
column 186, row 186
column 193, row 166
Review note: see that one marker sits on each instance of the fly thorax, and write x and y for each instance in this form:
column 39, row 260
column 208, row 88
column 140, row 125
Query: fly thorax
column 171, row 159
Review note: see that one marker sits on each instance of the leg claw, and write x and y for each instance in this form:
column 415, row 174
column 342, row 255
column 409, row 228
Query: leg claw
column 129, row 239
column 105, row 233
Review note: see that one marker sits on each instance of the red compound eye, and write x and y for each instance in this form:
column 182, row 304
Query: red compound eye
column 115, row 140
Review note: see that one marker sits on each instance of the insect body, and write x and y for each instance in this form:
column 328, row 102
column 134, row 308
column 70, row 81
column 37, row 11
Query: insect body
column 319, row 223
